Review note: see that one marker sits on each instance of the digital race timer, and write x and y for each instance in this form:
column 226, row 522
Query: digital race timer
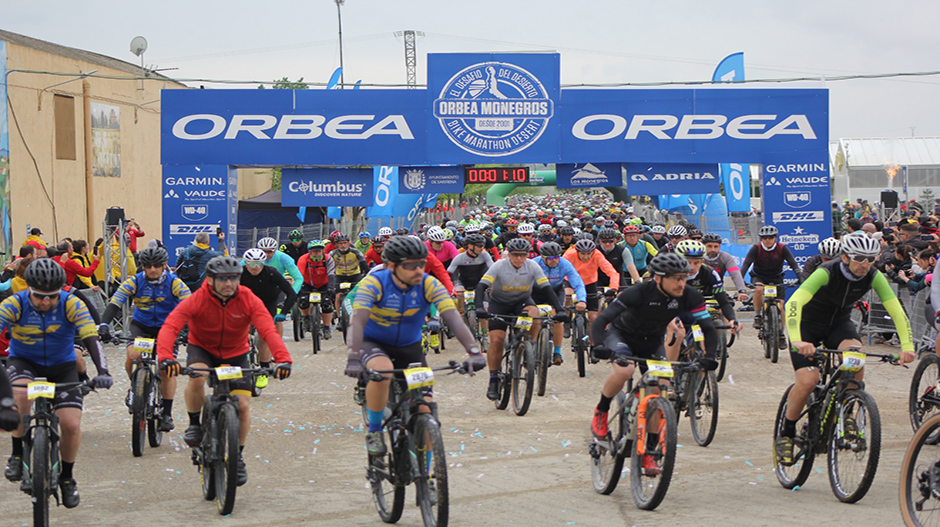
column 496, row 175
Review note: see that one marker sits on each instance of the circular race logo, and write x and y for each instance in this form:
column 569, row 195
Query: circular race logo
column 493, row 109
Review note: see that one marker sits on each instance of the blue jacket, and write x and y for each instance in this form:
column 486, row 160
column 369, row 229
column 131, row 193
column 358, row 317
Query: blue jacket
column 563, row 270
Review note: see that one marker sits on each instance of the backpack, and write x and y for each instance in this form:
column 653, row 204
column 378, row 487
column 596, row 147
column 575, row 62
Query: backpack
column 188, row 269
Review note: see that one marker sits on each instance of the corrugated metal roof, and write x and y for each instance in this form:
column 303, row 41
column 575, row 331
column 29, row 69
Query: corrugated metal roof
column 878, row 152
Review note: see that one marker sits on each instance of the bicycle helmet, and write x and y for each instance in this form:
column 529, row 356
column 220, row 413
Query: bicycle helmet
column 450, row 232
column 669, row 263
column 44, row 274
column 333, row 235
column 474, row 239
column 676, row 231
column 566, row 231
column 153, row 255
column 711, row 238
column 385, row 231
column 256, row 256
column 473, row 228
column 550, row 249
column 518, row 245
column 545, row 228
column 695, row 234
column 526, row 228
column 610, row 224
column 223, row 265
column 451, row 223
column 575, row 222
column 636, row 221
column 365, row 234
column 296, row 235
column 316, row 244
column 858, row 245
column 658, row 229
column 767, row 230
column 378, row 240
column 437, row 234
column 402, row 248
column 402, row 231
column 512, row 223
column 631, row 229
column 585, row 246
column 561, row 223
column 267, row 243
column 607, row 234
column 830, row 248
column 691, row 249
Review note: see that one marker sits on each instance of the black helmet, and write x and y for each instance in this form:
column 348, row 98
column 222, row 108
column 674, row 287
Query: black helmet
column 550, row 249
column 711, row 238
column 567, row 230
column 607, row 234
column 44, row 274
column 152, row 255
column 669, row 263
column 585, row 246
column 518, row 245
column 400, row 248
column 475, row 239
column 402, row 231
column 341, row 237
column 223, row 265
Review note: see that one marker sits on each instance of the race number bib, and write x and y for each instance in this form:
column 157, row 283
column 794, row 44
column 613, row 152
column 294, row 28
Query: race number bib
column 770, row 291
column 419, row 377
column 314, row 297
column 469, row 295
column 545, row 310
column 40, row 389
column 852, row 361
column 144, row 347
column 524, row 323
column 697, row 333
column 658, row 368
column 227, row 373
column 344, row 286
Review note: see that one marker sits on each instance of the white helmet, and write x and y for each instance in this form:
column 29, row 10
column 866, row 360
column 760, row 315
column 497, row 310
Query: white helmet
column 677, row 230
column 385, row 231
column 437, row 234
column 658, row 229
column 860, row 244
column 267, row 243
column 526, row 228
column 830, row 248
column 545, row 228
column 562, row 223
column 472, row 228
column 255, row 255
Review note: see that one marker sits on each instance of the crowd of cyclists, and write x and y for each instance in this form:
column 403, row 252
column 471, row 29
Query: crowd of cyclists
column 637, row 280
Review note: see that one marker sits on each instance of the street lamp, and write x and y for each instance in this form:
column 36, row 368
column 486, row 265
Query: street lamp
column 339, row 16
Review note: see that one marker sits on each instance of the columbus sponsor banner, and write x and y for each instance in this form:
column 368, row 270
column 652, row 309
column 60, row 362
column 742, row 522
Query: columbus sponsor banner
column 324, row 187
column 587, row 175
column 430, row 179
column 198, row 199
column 645, row 179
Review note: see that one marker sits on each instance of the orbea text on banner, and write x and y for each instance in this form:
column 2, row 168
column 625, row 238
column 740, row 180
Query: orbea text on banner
column 323, row 187
column 645, row 179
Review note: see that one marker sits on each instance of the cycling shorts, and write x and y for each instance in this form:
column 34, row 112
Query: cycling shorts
column 829, row 337
column 497, row 308
column 140, row 330
column 196, row 355
column 767, row 280
column 22, row 371
column 540, row 296
column 401, row 357
column 637, row 346
column 326, row 300
column 592, row 300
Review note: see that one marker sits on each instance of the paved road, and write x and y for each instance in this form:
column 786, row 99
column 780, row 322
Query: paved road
column 306, row 460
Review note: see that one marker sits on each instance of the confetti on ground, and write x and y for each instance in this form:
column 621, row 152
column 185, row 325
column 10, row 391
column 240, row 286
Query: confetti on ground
column 533, row 448
column 794, row 488
column 730, row 379
column 748, row 463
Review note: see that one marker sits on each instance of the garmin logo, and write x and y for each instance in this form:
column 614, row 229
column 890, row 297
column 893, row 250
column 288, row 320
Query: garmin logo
column 796, row 167
column 204, row 126
column 608, row 126
column 192, row 181
column 684, row 176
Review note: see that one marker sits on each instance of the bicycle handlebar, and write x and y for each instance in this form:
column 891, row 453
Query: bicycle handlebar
column 452, row 367
column 891, row 358
column 86, row 386
column 194, row 372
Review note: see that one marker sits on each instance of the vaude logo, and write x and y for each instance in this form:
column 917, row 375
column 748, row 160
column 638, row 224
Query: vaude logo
column 414, row 179
column 493, row 109
column 807, row 180
column 797, row 200
column 191, row 229
column 194, row 212
column 171, row 194
column 204, row 126
column 337, row 189
column 771, row 182
column 682, row 176
column 608, row 126
column 811, row 215
column 588, row 176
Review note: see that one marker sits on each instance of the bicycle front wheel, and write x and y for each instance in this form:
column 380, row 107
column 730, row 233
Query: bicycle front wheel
column 722, row 354
column 772, row 338
column 139, row 394
column 920, row 488
column 607, row 464
column 504, row 382
column 854, row 447
column 704, row 408
column 39, row 471
column 206, row 456
column 389, row 498
column 155, row 406
column 523, row 377
column 651, row 472
column 315, row 327
column 226, row 478
column 794, row 475
column 578, row 334
column 298, row 324
column 924, row 401
column 431, row 485
column 543, row 359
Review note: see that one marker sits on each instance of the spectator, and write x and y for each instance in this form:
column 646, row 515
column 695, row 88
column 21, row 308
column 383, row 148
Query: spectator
column 869, row 228
column 34, row 239
column 909, row 234
column 918, row 279
column 73, row 268
column 852, row 225
column 80, row 251
column 133, row 232
column 199, row 253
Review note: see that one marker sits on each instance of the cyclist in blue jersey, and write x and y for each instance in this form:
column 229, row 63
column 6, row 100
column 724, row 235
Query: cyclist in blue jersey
column 640, row 249
column 155, row 291
column 389, row 311
column 43, row 323
column 557, row 270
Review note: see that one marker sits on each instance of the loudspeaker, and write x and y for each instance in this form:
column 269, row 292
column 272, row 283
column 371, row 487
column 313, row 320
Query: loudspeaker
column 889, row 198
column 114, row 216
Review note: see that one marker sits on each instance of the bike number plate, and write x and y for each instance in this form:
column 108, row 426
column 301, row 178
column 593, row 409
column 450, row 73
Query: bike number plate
column 419, row 377
column 40, row 389
column 697, row 333
column 469, row 295
column 144, row 346
column 711, row 304
column 770, row 291
column 524, row 323
column 314, row 297
column 344, row 286
column 852, row 361
column 545, row 310
column 658, row 368
column 227, row 373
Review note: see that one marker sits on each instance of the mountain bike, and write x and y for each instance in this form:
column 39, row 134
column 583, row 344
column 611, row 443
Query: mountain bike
column 41, row 466
column 919, row 490
column 343, row 323
column 631, row 435
column 517, row 367
column 146, row 395
column 473, row 322
column 544, row 349
column 217, row 454
column 314, row 320
column 924, row 399
column 840, row 420
column 581, row 340
column 297, row 322
column 417, row 451
column 723, row 341
column 771, row 333
column 696, row 389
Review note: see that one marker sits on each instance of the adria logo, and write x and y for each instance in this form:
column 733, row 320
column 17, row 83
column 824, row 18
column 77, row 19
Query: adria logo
column 199, row 127
column 609, row 126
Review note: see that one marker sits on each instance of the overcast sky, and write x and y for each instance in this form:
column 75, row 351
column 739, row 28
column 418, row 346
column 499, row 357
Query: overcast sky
column 599, row 41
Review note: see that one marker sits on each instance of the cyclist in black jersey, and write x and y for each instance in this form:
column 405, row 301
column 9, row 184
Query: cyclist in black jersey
column 768, row 257
column 468, row 267
column 267, row 284
column 565, row 237
column 297, row 246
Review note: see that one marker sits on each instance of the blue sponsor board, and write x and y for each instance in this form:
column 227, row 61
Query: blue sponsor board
column 736, row 178
column 430, row 179
column 587, row 175
column 324, row 187
column 646, row 179
column 197, row 199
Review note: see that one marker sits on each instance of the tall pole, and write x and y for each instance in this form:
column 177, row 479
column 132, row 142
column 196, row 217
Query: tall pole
column 342, row 72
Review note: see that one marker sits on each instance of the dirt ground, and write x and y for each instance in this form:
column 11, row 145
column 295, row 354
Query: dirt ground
column 306, row 459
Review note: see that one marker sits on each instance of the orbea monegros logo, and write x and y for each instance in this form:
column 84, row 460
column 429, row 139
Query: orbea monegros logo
column 493, row 109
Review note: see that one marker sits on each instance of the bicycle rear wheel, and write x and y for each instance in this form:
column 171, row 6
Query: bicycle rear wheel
column 155, row 406
column 703, row 411
column 853, row 454
column 523, row 377
column 919, row 488
column 607, row 465
column 924, row 399
column 543, row 359
column 796, row 474
column 772, row 338
column 207, row 457
column 39, row 471
column 315, row 322
column 139, row 395
column 722, row 354
column 298, row 324
column 431, row 485
column 578, row 333
column 504, row 383
column 649, row 486
column 226, row 478
column 389, row 498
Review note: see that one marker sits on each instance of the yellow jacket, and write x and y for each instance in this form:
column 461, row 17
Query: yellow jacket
column 85, row 261
column 116, row 263
column 34, row 238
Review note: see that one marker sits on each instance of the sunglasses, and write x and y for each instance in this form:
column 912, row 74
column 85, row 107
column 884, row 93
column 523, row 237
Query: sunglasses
column 153, row 265
column 254, row 264
column 411, row 266
column 268, row 251
column 862, row 259
column 519, row 255
column 44, row 296
column 551, row 257
column 227, row 277
column 527, row 234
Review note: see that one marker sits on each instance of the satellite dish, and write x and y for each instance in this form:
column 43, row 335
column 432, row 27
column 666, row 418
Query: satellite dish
column 138, row 46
